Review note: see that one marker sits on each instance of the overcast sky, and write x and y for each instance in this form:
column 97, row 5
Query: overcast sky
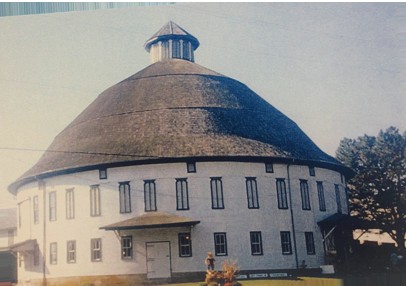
column 335, row 69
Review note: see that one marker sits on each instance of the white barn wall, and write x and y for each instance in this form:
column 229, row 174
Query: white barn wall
column 235, row 219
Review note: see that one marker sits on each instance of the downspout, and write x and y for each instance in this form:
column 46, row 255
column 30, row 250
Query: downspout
column 41, row 185
column 292, row 217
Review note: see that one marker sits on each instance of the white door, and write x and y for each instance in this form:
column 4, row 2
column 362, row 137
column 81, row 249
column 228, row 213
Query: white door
column 158, row 260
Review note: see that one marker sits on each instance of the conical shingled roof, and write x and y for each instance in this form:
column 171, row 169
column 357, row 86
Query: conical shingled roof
column 176, row 110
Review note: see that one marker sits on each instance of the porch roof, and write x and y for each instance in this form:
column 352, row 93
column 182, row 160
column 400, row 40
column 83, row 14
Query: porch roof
column 340, row 219
column 24, row 246
column 152, row 220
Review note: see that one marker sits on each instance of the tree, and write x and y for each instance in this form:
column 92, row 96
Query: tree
column 377, row 191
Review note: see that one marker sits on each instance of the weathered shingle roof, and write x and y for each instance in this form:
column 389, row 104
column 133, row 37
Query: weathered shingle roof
column 175, row 109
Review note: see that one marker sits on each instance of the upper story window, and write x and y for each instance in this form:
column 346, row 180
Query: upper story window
column 320, row 193
column 182, row 194
column 36, row 210
column 281, row 194
column 252, row 193
column 256, row 243
column 52, row 206
column 125, row 197
column 95, row 208
column 269, row 167
column 191, row 167
column 338, row 198
column 70, row 204
column 312, row 171
column 304, row 191
column 186, row 48
column 150, row 195
column 126, row 247
column 185, row 245
column 216, row 185
column 103, row 174
column 220, row 243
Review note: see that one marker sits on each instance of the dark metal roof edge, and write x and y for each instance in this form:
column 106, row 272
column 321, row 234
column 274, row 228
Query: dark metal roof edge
column 12, row 188
column 161, row 225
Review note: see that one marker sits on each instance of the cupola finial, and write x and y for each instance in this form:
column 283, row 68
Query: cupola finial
column 171, row 42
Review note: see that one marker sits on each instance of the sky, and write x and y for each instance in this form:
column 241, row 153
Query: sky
column 333, row 68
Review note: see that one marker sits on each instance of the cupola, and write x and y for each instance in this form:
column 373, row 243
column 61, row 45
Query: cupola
column 171, row 42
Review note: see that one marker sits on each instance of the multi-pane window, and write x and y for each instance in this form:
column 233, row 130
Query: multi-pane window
column 312, row 171
column 220, row 243
column 71, row 251
column 95, row 209
column 252, row 193
column 217, row 201
column 52, row 206
column 102, row 174
column 127, row 247
column 281, row 193
column 304, row 191
column 269, row 167
column 96, row 249
column 185, row 245
column 125, row 197
column 182, row 196
column 150, row 195
column 286, row 244
column 256, row 243
column 53, row 253
column 186, row 50
column 338, row 198
column 175, row 49
column 191, row 167
column 70, row 204
column 320, row 192
column 36, row 209
column 310, row 243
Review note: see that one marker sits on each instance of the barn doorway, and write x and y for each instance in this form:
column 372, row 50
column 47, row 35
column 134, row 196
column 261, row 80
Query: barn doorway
column 158, row 259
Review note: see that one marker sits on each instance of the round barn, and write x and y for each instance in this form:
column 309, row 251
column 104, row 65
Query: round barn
column 167, row 165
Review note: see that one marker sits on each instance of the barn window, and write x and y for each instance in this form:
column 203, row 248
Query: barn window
column 310, row 243
column 281, row 194
column 269, row 167
column 127, row 247
column 96, row 249
column 312, row 171
column 304, row 191
column 191, row 167
column 53, row 253
column 338, row 198
column 125, row 197
column 320, row 192
column 70, row 204
column 103, row 174
column 95, row 209
column 217, row 201
column 256, row 243
column 71, row 251
column 150, row 195
column 220, row 243
column 182, row 195
column 185, row 245
column 252, row 193
column 52, row 206
column 286, row 243
column 36, row 210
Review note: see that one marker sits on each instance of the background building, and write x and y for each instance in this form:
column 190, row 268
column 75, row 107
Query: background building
column 8, row 231
column 170, row 163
